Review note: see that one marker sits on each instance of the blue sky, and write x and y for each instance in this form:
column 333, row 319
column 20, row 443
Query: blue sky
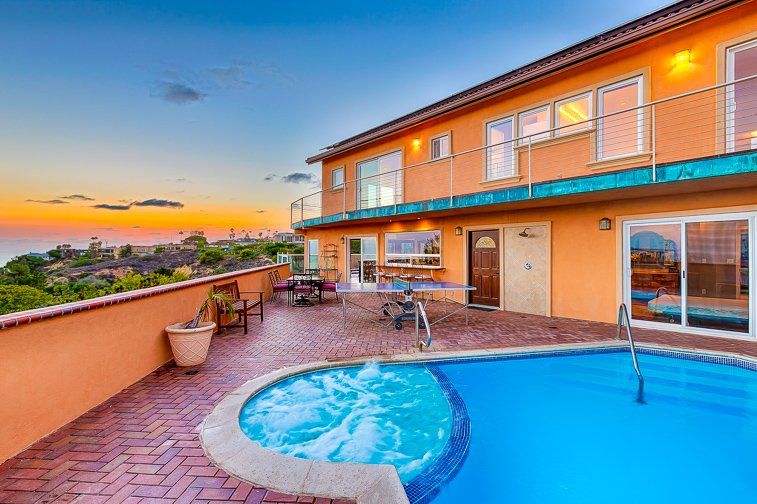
column 197, row 102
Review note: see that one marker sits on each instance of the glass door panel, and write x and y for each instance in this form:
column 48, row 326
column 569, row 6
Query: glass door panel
column 655, row 270
column 362, row 260
column 717, row 275
column 368, row 186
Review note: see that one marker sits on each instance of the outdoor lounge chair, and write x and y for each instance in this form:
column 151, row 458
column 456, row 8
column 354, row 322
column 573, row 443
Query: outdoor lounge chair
column 242, row 306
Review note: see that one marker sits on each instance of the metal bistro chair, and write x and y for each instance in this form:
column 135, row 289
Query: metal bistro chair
column 300, row 289
column 277, row 285
column 330, row 286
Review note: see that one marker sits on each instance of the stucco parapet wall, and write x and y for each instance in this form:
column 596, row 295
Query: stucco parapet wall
column 27, row 317
column 230, row 449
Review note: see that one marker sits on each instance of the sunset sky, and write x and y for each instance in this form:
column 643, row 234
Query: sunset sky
column 133, row 120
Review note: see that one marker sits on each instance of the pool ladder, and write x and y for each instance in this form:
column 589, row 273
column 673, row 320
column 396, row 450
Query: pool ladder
column 623, row 317
column 420, row 312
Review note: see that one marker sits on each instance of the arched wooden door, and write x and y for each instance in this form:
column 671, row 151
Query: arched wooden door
column 483, row 265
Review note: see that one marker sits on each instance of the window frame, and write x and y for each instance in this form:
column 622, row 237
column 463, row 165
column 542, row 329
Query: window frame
column 433, row 139
column 534, row 137
column 398, row 174
column 487, row 128
column 639, row 81
column 730, row 109
column 589, row 95
column 334, row 171
column 308, row 255
column 412, row 256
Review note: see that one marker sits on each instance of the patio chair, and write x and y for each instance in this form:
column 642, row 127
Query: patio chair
column 242, row 306
column 300, row 289
column 277, row 286
column 330, row 286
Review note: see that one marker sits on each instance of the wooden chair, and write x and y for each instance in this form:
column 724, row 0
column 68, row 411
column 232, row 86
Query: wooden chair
column 242, row 306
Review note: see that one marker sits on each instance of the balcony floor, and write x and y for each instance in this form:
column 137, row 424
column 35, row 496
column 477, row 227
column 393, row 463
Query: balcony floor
column 142, row 445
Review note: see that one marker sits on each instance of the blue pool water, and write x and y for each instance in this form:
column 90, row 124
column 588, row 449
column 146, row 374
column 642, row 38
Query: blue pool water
column 392, row 415
column 552, row 429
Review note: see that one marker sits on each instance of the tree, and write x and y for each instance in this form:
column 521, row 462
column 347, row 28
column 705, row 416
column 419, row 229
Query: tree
column 15, row 298
column 200, row 241
column 124, row 251
column 211, row 256
column 55, row 254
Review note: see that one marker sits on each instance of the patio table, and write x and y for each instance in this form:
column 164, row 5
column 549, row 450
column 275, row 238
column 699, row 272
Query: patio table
column 316, row 281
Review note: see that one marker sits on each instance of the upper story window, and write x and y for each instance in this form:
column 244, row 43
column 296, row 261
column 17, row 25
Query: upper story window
column 620, row 134
column 534, row 124
column 572, row 114
column 440, row 147
column 419, row 248
column 741, row 98
column 337, row 178
column 500, row 161
column 380, row 181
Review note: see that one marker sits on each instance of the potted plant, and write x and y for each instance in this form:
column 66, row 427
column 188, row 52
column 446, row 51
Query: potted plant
column 190, row 341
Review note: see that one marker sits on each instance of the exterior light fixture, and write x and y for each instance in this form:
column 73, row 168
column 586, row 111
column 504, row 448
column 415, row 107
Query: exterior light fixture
column 416, row 143
column 341, row 240
column 682, row 58
column 605, row 224
column 458, row 231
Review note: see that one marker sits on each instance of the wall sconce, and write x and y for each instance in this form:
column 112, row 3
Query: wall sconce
column 458, row 231
column 416, row 143
column 341, row 240
column 605, row 224
column 682, row 58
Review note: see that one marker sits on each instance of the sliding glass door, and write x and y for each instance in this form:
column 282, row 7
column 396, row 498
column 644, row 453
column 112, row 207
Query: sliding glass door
column 362, row 259
column 692, row 272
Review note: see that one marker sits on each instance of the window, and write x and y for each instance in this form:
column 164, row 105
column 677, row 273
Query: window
column 380, row 181
column 337, row 178
column 741, row 122
column 440, row 147
column 621, row 133
column 312, row 254
column 534, row 125
column 500, row 162
column 571, row 114
column 419, row 248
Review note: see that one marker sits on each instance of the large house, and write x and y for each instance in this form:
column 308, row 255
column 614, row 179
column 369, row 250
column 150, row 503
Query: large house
column 621, row 169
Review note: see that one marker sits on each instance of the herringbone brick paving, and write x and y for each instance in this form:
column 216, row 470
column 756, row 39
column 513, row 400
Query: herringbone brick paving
column 142, row 444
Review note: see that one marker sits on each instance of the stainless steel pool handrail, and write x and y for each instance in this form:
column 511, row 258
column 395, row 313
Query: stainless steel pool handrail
column 420, row 312
column 623, row 316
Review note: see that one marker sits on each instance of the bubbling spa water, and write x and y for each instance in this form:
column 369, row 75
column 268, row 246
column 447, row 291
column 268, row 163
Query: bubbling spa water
column 362, row 414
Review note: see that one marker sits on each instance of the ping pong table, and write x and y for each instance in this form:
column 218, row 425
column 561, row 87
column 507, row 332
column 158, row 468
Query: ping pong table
column 398, row 300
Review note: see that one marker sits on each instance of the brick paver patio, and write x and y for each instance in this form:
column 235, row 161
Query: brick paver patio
column 142, row 445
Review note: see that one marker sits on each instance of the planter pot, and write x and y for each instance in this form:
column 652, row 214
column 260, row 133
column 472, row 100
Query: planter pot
column 190, row 346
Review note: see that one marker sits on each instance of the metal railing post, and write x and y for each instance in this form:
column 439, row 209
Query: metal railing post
column 530, row 186
column 291, row 214
column 302, row 212
column 654, row 145
column 344, row 200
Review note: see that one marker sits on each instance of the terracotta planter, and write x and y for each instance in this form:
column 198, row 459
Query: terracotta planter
column 190, row 346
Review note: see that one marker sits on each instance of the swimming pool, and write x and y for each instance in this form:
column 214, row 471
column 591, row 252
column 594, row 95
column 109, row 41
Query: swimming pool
column 558, row 427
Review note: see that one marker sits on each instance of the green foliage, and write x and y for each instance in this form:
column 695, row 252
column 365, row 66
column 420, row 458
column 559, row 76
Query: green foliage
column 200, row 240
column 55, row 254
column 24, row 270
column 211, row 256
column 84, row 260
column 130, row 281
column 248, row 253
column 15, row 298
column 160, row 250
column 124, row 251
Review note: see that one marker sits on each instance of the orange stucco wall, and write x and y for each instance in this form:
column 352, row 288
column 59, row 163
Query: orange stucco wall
column 54, row 370
column 652, row 58
column 585, row 276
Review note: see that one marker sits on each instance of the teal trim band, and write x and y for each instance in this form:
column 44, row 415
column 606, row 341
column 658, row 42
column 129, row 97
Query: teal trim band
column 719, row 166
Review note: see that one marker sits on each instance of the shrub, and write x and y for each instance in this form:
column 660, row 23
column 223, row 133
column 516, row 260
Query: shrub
column 248, row 254
column 211, row 256
column 15, row 298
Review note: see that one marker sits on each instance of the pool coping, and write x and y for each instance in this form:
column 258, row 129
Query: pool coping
column 230, row 449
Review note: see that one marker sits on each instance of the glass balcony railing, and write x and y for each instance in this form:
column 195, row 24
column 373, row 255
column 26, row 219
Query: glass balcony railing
column 708, row 122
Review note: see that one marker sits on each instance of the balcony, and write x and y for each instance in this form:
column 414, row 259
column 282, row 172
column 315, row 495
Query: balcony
column 705, row 133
